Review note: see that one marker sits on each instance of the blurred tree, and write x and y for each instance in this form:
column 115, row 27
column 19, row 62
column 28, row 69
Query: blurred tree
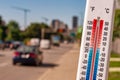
column 34, row 30
column 79, row 34
column 13, row 31
column 116, row 30
column 3, row 29
column 3, row 33
column 0, row 20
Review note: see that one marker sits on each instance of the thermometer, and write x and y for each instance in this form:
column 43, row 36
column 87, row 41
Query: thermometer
column 96, row 40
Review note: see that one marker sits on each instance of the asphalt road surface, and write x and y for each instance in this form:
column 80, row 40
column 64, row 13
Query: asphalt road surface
column 29, row 72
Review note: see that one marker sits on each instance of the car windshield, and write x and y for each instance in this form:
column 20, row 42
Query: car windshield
column 26, row 49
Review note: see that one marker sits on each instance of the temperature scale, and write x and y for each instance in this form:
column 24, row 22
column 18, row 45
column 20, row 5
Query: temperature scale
column 96, row 40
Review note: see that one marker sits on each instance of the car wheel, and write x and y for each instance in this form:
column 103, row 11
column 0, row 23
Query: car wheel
column 14, row 63
column 40, row 63
column 37, row 63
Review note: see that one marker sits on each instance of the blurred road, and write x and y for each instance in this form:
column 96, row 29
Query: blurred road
column 10, row 72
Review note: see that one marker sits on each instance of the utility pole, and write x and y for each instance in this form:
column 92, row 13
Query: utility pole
column 81, row 19
column 43, row 30
column 25, row 14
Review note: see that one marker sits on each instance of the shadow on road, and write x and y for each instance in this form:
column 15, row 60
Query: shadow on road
column 46, row 65
column 2, row 55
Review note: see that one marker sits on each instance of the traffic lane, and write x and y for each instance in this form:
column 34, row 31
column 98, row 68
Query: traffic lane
column 55, row 53
column 23, row 72
column 20, row 73
column 5, row 55
column 10, row 72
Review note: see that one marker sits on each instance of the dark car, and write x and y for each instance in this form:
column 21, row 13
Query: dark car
column 2, row 45
column 13, row 44
column 28, row 55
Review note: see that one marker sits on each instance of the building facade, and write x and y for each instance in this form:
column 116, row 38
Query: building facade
column 74, row 23
column 55, row 25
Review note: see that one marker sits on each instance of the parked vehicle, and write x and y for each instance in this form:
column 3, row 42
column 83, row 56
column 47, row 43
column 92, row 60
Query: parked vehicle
column 35, row 42
column 7, row 44
column 13, row 44
column 56, row 40
column 2, row 45
column 45, row 44
column 28, row 55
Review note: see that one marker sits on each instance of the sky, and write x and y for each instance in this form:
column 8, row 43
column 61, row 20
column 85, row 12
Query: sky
column 50, row 9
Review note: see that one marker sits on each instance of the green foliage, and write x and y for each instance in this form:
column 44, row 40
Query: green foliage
column 3, row 32
column 26, row 40
column 13, row 31
column 116, row 30
column 34, row 30
column 114, row 63
column 79, row 35
column 3, row 29
column 114, row 76
column 79, row 32
column 117, row 19
column 13, row 25
column 115, row 55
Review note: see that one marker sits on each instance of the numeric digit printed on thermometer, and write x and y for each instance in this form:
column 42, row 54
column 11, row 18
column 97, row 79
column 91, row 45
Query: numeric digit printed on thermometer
column 96, row 40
